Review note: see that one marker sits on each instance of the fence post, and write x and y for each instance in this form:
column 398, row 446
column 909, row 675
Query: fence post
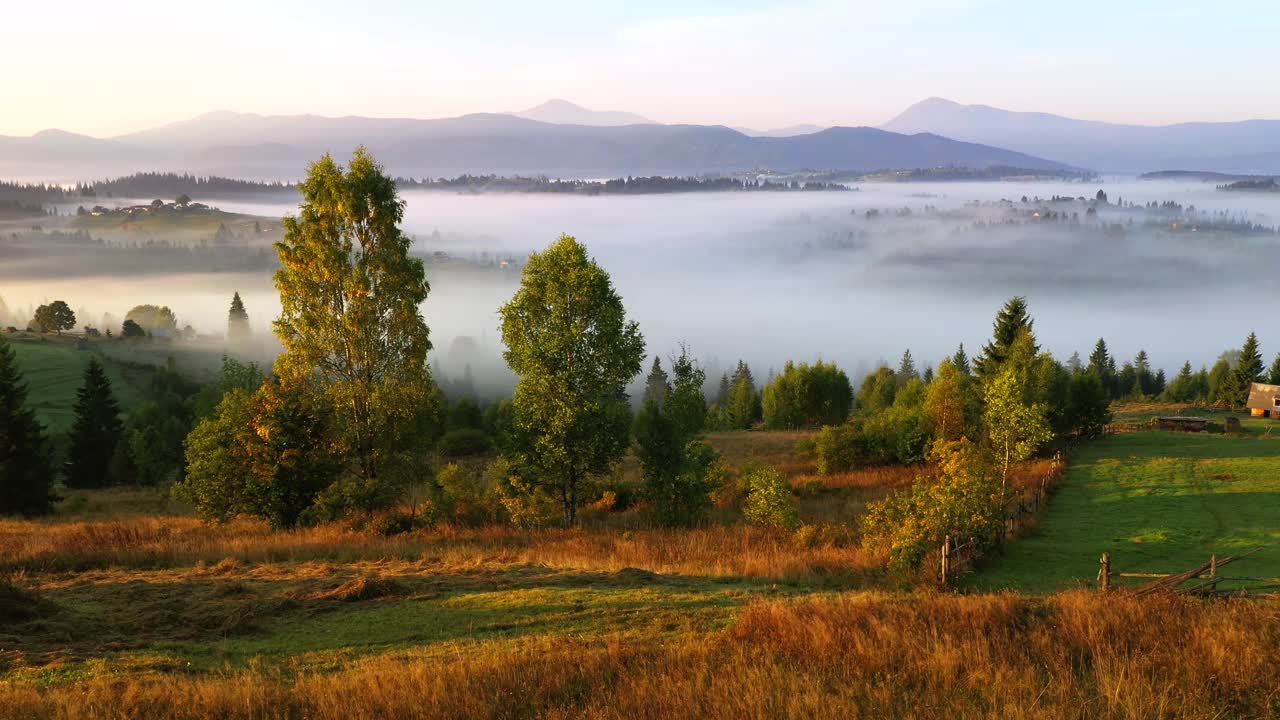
column 946, row 559
column 1213, row 566
column 1104, row 573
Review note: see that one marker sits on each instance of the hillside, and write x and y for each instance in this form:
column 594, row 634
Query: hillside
column 1246, row 147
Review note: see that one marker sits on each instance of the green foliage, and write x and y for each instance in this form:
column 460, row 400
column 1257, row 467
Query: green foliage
column 951, row 403
column 573, row 352
column 1222, row 381
column 55, row 317
column 805, row 396
column 877, row 391
column 527, row 505
column 465, row 441
column 264, row 454
column 1090, row 406
column 464, row 414
column 26, row 478
column 1248, row 370
column 961, row 498
column 1016, row 429
column 96, row 433
column 1012, row 321
column 770, row 501
column 679, row 472
column 839, row 448
column 742, row 408
column 350, row 322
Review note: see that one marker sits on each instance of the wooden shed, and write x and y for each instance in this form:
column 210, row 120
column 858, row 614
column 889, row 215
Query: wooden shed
column 1184, row 424
column 1264, row 400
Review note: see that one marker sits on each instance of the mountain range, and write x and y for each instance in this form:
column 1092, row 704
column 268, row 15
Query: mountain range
column 280, row 146
column 559, row 138
column 1245, row 147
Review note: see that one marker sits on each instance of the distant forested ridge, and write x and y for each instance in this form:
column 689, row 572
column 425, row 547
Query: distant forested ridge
column 992, row 173
column 1260, row 185
column 656, row 184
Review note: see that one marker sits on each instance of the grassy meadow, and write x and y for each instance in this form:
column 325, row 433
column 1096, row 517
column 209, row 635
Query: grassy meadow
column 124, row 605
column 53, row 369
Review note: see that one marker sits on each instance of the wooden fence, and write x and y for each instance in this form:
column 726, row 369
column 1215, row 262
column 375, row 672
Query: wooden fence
column 1204, row 580
column 1020, row 509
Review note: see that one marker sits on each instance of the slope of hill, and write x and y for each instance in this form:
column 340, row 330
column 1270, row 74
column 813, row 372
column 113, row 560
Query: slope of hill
column 1250, row 146
column 563, row 112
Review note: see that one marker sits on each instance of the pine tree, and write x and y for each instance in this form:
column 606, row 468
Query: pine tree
column 1248, row 370
column 960, row 360
column 906, row 369
column 237, row 320
column 1273, row 375
column 26, row 477
column 1012, row 321
column 96, row 431
column 656, row 386
column 1104, row 366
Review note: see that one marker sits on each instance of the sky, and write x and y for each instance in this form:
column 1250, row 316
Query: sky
column 104, row 69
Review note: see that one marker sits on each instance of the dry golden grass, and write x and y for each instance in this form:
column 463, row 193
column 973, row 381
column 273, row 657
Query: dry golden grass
column 159, row 542
column 855, row 655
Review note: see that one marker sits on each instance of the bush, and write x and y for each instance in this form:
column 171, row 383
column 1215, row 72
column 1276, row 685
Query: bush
column 839, row 448
column 467, row 441
column 769, row 500
column 962, row 498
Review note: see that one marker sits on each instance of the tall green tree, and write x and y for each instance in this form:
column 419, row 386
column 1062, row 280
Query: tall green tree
column 679, row 471
column 1015, row 428
column 26, row 477
column 656, row 386
column 1011, row 321
column 1103, row 365
column 573, row 352
column 55, row 317
column 960, row 360
column 96, row 432
column 951, row 404
column 1273, row 373
column 808, row 396
column 906, row 369
column 237, row 320
column 1089, row 410
column 350, row 321
column 1248, row 370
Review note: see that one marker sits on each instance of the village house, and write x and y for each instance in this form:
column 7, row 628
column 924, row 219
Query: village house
column 1264, row 400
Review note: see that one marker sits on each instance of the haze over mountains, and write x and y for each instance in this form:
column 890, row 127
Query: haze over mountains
column 280, row 146
column 1246, row 147
column 559, row 138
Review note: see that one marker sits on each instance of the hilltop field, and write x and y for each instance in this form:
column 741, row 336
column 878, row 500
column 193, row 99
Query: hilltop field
column 125, row 604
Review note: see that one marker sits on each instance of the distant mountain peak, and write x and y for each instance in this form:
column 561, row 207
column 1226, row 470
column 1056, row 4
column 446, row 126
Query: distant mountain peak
column 562, row 112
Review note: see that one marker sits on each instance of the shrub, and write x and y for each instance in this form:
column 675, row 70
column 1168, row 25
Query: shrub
column 962, row 498
column 839, row 448
column 769, row 500
column 467, row 441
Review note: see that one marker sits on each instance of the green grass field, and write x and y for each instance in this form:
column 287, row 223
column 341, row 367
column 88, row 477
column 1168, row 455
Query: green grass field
column 1159, row 502
column 53, row 370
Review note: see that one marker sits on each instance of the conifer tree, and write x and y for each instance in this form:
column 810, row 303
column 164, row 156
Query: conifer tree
column 1248, row 370
column 906, row 369
column 96, row 431
column 1012, row 321
column 655, row 385
column 26, row 477
column 960, row 360
column 237, row 320
column 1273, row 375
